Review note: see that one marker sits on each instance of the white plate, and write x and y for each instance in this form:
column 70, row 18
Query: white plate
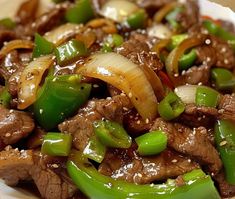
column 207, row 8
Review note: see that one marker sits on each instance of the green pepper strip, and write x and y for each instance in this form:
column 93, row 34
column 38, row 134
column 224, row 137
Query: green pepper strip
column 112, row 134
column 225, row 141
column 187, row 60
column 223, row 78
column 42, row 46
column 218, row 31
column 206, row 96
column 151, row 143
column 8, row 23
column 70, row 51
column 59, row 98
column 82, row 12
column 97, row 186
column 5, row 97
column 115, row 40
column 137, row 20
column 95, row 150
column 176, row 40
column 171, row 17
column 56, row 144
column 171, row 107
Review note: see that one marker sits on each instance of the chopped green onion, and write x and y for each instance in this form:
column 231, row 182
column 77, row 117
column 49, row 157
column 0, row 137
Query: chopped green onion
column 151, row 143
column 56, row 144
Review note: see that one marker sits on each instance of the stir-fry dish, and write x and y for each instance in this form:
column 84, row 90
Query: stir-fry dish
column 117, row 99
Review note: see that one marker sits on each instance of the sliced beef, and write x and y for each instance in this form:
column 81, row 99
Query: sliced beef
column 227, row 25
column 197, row 74
column 81, row 125
column 135, row 124
column 15, row 165
column 190, row 15
column 196, row 116
column 194, row 143
column 226, row 190
column 120, row 164
column 227, row 107
column 224, row 53
column 27, row 11
column 48, row 173
column 6, row 35
column 137, row 50
column 14, row 125
column 206, row 55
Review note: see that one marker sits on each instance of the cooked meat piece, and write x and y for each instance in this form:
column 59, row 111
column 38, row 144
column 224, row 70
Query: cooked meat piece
column 190, row 15
column 6, row 35
column 206, row 55
column 194, row 143
column 197, row 74
column 14, row 125
column 27, row 11
column 119, row 164
column 227, row 107
column 47, row 173
column 196, row 116
column 226, row 190
column 113, row 91
column 15, row 165
column 81, row 125
column 152, row 6
column 224, row 53
column 26, row 165
column 135, row 124
column 137, row 50
column 227, row 25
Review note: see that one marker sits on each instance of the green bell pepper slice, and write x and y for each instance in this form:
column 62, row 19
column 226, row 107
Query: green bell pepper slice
column 56, row 144
column 206, row 96
column 81, row 12
column 171, row 107
column 137, row 19
column 187, row 60
column 176, row 40
column 97, row 186
column 112, row 41
column 151, row 143
column 70, row 51
column 225, row 141
column 171, row 17
column 112, row 134
column 8, row 23
column 223, row 78
column 59, row 98
column 42, row 46
column 95, row 150
column 218, row 31
column 5, row 97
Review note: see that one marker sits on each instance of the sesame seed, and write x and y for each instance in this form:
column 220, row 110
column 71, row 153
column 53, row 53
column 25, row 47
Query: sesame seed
column 189, row 160
column 95, row 86
column 138, row 122
column 125, row 108
column 55, row 166
column 223, row 143
column 208, row 41
column 123, row 94
column 109, row 98
column 7, row 135
column 221, row 111
column 130, row 95
column 226, row 61
column 147, row 121
column 11, row 111
column 223, row 50
column 176, row 75
column 174, row 161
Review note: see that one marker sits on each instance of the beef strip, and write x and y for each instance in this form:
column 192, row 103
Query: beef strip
column 47, row 172
column 206, row 55
column 81, row 125
column 6, row 35
column 190, row 15
column 194, row 143
column 14, row 125
column 15, row 165
column 137, row 50
column 120, row 164
column 227, row 107
column 226, row 190
column 27, row 11
column 196, row 116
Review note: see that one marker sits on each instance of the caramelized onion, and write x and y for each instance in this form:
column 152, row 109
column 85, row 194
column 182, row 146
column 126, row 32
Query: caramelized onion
column 30, row 79
column 62, row 33
column 123, row 74
column 15, row 44
column 161, row 45
column 172, row 61
column 107, row 25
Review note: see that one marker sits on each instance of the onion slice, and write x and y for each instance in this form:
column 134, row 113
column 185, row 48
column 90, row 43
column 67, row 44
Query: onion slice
column 118, row 10
column 187, row 93
column 30, row 79
column 15, row 44
column 123, row 74
column 62, row 33
column 160, row 31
